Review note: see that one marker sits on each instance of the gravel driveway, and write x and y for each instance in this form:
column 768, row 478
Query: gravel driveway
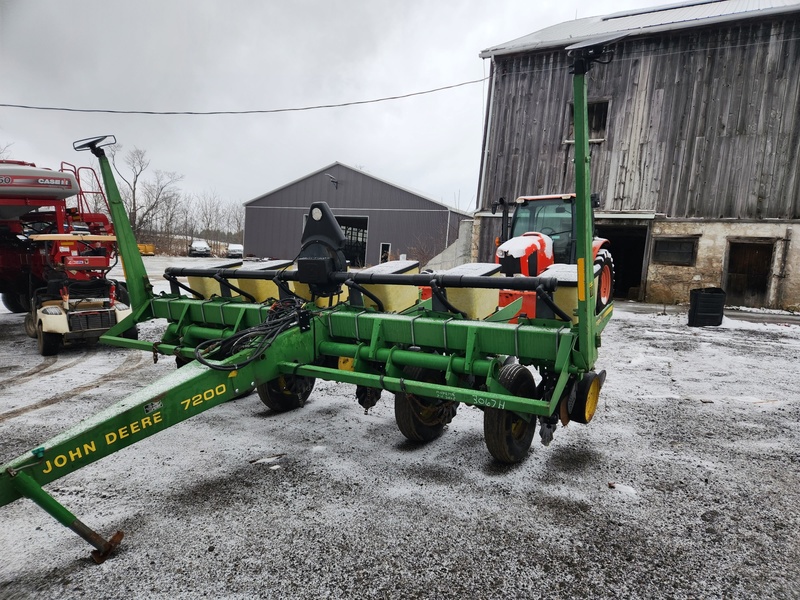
column 685, row 485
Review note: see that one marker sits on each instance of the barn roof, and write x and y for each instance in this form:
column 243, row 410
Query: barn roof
column 365, row 174
column 657, row 19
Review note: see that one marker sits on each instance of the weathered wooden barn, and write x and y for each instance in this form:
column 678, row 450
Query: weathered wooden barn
column 695, row 138
column 380, row 220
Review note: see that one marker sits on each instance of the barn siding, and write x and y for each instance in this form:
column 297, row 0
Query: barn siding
column 701, row 124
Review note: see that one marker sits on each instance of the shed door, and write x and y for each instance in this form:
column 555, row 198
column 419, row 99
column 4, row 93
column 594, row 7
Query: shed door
column 749, row 268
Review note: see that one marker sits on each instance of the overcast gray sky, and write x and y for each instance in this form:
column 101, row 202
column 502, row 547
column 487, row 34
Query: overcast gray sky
column 203, row 55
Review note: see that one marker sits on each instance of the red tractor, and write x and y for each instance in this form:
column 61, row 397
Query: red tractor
column 55, row 253
column 541, row 240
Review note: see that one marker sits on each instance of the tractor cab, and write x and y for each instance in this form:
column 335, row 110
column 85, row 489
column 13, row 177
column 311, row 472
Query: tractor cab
column 551, row 216
column 542, row 232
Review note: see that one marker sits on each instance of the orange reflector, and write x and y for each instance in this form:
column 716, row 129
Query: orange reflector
column 581, row 280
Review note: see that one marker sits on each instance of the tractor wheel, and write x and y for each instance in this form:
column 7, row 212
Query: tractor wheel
column 49, row 343
column 287, row 392
column 508, row 436
column 587, row 395
column 15, row 302
column 30, row 325
column 605, row 285
column 422, row 419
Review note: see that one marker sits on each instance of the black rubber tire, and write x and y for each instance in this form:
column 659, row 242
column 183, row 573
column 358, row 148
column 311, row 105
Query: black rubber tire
column 49, row 343
column 124, row 297
column 122, row 293
column 131, row 334
column 605, row 282
column 30, row 325
column 507, row 435
column 15, row 302
column 285, row 393
column 422, row 419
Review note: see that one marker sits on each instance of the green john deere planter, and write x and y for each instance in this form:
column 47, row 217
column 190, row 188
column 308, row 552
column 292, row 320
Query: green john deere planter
column 277, row 327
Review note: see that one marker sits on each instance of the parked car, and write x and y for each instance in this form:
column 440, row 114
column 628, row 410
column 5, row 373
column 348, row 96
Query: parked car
column 235, row 251
column 199, row 248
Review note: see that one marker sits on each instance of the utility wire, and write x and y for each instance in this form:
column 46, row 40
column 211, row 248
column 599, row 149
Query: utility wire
column 629, row 56
column 240, row 112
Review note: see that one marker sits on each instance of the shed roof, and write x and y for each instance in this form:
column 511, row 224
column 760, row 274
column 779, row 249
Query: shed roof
column 363, row 173
column 656, row 19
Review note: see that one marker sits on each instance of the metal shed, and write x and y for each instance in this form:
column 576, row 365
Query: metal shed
column 380, row 220
column 696, row 129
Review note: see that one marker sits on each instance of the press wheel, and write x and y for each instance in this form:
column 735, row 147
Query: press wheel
column 419, row 418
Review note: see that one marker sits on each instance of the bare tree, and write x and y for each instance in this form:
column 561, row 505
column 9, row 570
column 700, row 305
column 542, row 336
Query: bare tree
column 209, row 215
column 5, row 150
column 425, row 248
column 144, row 197
column 168, row 233
column 160, row 193
column 234, row 219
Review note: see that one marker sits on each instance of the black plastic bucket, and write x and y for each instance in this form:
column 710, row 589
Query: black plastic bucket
column 706, row 306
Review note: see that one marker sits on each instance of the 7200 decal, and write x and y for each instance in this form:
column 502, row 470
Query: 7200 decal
column 209, row 394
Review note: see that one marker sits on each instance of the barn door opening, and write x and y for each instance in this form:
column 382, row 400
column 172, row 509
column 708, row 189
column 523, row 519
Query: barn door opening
column 355, row 234
column 749, row 270
column 627, row 248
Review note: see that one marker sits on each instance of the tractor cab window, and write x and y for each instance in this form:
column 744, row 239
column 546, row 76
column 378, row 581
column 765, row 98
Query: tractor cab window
column 550, row 217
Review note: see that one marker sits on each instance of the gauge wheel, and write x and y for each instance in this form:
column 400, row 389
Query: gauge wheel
column 420, row 418
column 49, row 343
column 507, row 434
column 586, row 397
column 605, row 284
column 286, row 392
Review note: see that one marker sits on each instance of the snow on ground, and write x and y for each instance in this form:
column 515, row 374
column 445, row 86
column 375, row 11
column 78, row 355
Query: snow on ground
column 684, row 485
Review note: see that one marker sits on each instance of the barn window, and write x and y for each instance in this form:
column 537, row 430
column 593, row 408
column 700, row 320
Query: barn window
column 597, row 118
column 675, row 251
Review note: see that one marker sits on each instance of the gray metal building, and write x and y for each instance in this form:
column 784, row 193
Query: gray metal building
column 380, row 220
column 695, row 128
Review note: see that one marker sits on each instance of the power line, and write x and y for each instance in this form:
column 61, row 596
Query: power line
column 630, row 56
column 240, row 112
